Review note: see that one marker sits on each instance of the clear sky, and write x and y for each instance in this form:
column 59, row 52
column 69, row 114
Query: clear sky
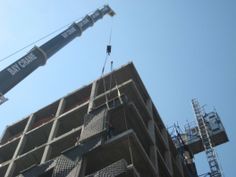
column 182, row 49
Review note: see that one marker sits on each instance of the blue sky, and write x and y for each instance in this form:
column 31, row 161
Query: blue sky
column 182, row 50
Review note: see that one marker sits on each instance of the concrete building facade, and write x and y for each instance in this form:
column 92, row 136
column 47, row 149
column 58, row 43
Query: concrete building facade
column 107, row 128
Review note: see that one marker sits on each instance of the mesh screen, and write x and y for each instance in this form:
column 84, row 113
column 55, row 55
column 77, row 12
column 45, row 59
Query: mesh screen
column 93, row 124
column 63, row 166
column 112, row 170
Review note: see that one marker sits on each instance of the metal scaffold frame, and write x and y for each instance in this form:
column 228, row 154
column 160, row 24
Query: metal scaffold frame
column 206, row 140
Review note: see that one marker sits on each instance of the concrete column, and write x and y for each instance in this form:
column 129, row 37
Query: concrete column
column 151, row 130
column 164, row 134
column 149, row 106
column 92, row 96
column 10, row 170
column 168, row 155
column 61, row 107
column 19, row 148
column 47, row 150
column 153, row 154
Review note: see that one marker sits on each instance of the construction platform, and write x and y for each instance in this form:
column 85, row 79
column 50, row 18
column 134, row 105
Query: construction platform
column 192, row 138
column 107, row 128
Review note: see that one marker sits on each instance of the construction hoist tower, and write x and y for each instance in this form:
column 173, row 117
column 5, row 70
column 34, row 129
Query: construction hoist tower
column 206, row 140
column 201, row 135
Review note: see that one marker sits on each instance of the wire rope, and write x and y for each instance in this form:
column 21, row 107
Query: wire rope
column 40, row 39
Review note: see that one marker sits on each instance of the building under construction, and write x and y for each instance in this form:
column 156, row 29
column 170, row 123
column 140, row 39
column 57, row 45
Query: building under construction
column 107, row 128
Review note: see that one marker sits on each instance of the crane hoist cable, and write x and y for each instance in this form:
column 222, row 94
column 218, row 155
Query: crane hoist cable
column 108, row 53
column 113, row 77
column 109, row 42
column 108, row 50
column 34, row 42
column 112, row 74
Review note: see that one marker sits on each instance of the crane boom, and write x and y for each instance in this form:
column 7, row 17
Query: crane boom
column 37, row 56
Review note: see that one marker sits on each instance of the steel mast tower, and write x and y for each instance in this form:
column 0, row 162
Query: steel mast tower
column 206, row 140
